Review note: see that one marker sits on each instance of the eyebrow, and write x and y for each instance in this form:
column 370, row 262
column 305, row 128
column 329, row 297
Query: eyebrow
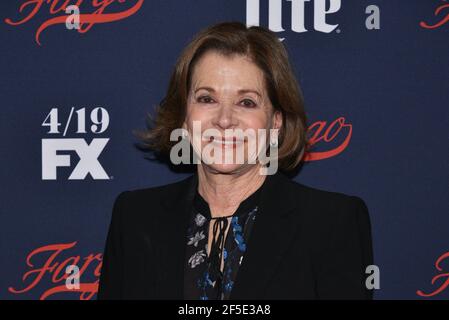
column 241, row 91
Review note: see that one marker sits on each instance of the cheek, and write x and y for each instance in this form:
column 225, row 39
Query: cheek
column 194, row 114
column 258, row 121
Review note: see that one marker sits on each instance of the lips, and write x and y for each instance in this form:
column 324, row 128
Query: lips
column 226, row 142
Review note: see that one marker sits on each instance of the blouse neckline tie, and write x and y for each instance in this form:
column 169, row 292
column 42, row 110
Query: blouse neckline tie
column 216, row 251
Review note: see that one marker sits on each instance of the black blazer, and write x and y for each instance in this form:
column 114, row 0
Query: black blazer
column 306, row 244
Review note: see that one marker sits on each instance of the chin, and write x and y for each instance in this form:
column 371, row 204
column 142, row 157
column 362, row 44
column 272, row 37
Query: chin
column 226, row 168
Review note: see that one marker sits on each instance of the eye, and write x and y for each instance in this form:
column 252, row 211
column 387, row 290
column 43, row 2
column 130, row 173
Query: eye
column 248, row 103
column 205, row 99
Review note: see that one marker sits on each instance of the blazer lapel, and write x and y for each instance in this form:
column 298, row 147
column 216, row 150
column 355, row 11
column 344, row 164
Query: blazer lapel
column 177, row 206
column 275, row 226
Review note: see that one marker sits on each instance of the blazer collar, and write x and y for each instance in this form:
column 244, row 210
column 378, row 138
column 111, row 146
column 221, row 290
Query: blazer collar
column 275, row 226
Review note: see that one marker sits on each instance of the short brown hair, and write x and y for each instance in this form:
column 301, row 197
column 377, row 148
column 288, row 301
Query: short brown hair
column 265, row 50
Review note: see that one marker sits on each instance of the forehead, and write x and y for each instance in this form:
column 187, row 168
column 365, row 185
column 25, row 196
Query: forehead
column 227, row 72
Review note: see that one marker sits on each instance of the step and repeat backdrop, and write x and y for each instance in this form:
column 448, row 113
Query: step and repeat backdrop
column 375, row 77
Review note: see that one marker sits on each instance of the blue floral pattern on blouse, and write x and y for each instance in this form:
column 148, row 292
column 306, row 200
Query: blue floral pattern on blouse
column 197, row 277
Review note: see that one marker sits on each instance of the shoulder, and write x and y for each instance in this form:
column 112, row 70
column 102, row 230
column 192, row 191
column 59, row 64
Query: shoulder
column 136, row 201
column 330, row 200
column 321, row 200
column 326, row 211
column 135, row 196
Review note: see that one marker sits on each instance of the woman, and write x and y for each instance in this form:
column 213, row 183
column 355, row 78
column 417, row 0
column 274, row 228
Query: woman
column 233, row 230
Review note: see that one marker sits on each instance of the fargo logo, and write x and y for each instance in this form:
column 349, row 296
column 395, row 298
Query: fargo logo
column 440, row 280
column 442, row 13
column 48, row 269
column 88, row 158
column 323, row 134
column 86, row 14
column 322, row 8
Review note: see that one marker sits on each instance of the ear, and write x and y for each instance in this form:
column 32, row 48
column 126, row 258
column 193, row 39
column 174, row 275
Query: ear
column 277, row 120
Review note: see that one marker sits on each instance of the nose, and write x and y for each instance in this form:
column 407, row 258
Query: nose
column 225, row 117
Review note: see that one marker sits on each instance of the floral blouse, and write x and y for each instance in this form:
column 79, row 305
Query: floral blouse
column 203, row 278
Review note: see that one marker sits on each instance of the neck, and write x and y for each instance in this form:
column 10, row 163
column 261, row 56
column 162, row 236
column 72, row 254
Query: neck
column 224, row 192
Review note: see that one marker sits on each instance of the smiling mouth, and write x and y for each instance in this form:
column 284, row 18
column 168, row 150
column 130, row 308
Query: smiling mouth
column 226, row 142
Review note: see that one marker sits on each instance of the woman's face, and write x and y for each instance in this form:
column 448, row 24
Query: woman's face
column 228, row 93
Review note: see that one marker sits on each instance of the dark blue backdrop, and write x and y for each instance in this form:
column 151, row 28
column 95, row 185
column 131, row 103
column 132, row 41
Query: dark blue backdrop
column 390, row 85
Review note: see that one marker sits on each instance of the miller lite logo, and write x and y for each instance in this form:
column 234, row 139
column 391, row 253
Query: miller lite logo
column 321, row 10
